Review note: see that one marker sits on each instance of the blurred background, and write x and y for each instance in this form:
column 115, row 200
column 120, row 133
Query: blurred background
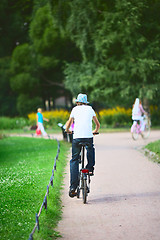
column 51, row 50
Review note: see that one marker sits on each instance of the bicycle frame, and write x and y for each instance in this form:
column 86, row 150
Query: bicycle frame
column 84, row 177
column 136, row 129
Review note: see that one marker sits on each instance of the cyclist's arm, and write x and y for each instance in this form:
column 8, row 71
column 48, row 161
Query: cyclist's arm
column 142, row 109
column 68, row 124
column 97, row 124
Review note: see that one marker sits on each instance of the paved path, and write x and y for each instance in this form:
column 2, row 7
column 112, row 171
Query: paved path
column 124, row 203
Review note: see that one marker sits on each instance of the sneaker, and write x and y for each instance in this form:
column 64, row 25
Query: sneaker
column 91, row 173
column 91, row 170
column 72, row 193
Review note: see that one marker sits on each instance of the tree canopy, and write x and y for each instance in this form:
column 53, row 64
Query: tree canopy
column 15, row 18
column 107, row 49
column 120, row 50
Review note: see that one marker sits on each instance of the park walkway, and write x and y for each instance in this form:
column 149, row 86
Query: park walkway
column 124, row 203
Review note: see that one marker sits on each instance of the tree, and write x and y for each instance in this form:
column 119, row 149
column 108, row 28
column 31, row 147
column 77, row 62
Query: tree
column 125, row 60
column 108, row 49
column 40, row 63
column 130, row 54
column 22, row 69
column 25, row 104
column 7, row 97
column 23, row 79
column 14, row 22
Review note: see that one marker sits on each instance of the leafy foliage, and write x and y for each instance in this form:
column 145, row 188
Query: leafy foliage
column 55, row 117
column 7, row 97
column 107, row 49
column 13, row 123
column 125, row 59
column 14, row 21
column 39, row 64
column 25, row 104
column 116, row 117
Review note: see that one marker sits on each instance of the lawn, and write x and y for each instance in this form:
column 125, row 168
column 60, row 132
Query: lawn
column 155, row 148
column 28, row 131
column 26, row 167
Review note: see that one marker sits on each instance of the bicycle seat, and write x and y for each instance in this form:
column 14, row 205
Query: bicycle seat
column 84, row 144
column 136, row 120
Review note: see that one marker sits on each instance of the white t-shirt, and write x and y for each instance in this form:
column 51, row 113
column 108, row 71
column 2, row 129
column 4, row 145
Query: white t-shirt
column 83, row 115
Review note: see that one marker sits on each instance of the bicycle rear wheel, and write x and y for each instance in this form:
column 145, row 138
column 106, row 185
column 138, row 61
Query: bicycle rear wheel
column 84, row 190
column 78, row 192
column 135, row 132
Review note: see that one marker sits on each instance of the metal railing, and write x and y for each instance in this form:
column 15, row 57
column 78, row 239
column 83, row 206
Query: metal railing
column 44, row 204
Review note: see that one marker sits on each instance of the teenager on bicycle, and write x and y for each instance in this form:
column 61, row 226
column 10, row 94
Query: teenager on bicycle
column 82, row 115
column 137, row 113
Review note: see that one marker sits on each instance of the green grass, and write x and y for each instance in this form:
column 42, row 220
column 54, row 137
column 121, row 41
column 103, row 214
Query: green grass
column 154, row 147
column 110, row 130
column 56, row 129
column 28, row 131
column 26, row 167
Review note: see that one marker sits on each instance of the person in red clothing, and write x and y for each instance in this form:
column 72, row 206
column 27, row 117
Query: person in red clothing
column 40, row 119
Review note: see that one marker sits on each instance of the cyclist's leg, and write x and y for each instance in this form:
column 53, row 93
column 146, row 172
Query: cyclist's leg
column 74, row 164
column 142, row 124
column 90, row 154
column 133, row 125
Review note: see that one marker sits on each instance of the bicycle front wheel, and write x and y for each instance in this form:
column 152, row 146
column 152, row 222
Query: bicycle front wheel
column 84, row 190
column 135, row 133
column 146, row 132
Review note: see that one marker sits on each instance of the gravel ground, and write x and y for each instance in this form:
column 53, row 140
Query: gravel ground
column 124, row 202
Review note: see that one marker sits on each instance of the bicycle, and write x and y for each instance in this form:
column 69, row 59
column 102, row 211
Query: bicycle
column 136, row 128
column 84, row 175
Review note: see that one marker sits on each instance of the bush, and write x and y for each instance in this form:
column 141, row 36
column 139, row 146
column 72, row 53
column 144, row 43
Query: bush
column 13, row 123
column 121, row 120
column 121, row 117
column 116, row 117
column 106, row 120
column 155, row 115
column 54, row 117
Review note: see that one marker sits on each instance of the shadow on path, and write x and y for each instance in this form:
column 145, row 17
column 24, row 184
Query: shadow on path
column 116, row 197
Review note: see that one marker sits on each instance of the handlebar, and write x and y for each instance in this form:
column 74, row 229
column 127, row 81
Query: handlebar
column 68, row 132
column 72, row 132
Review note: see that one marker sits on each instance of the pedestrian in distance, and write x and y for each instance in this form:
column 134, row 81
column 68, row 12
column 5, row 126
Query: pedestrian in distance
column 40, row 119
column 82, row 116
